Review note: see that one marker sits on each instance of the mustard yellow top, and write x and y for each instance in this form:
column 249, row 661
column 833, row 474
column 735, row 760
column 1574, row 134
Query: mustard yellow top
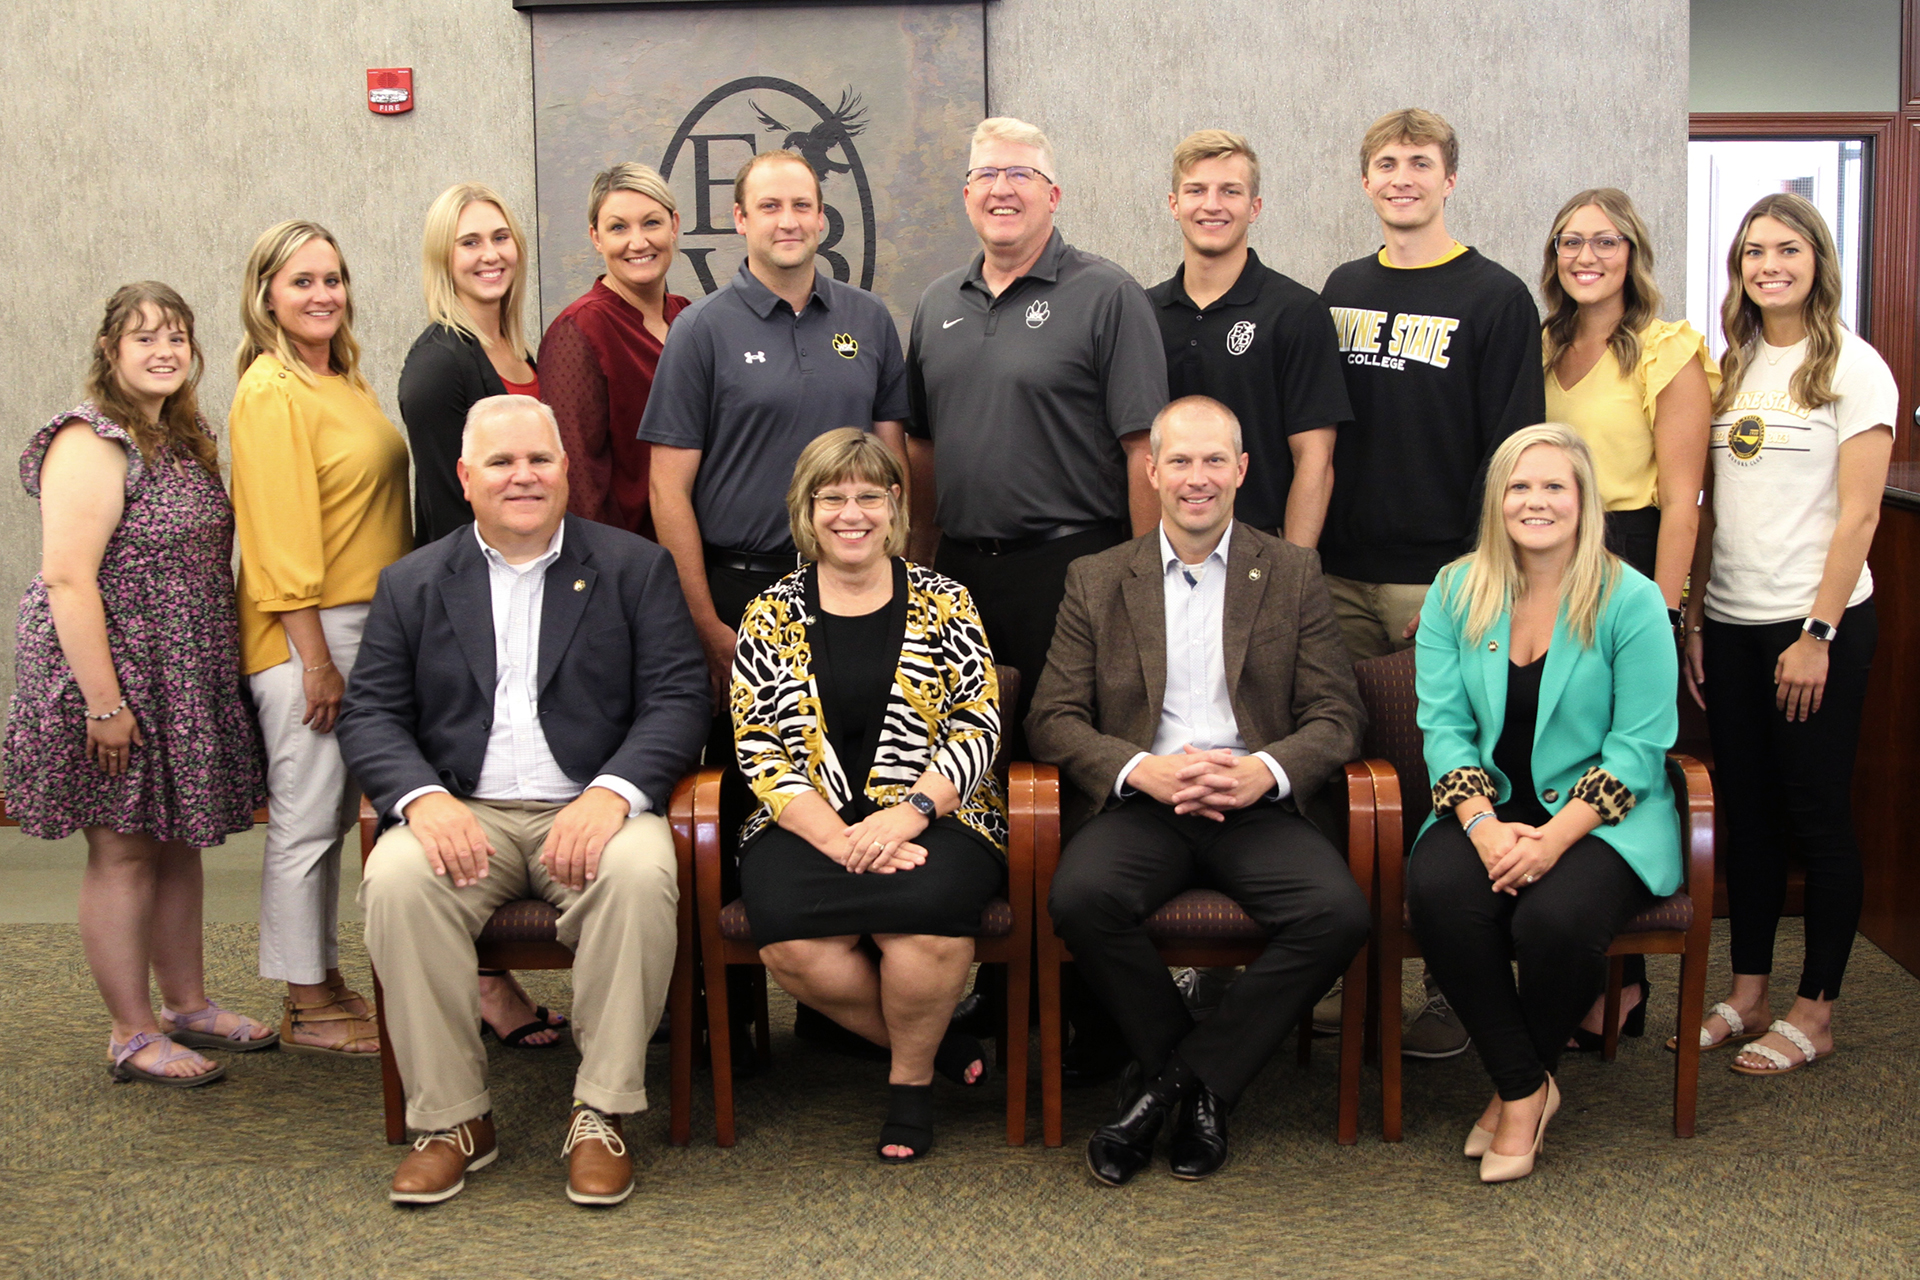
column 1446, row 257
column 1613, row 412
column 319, row 500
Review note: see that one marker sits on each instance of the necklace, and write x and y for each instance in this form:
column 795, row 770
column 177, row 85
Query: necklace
column 1767, row 349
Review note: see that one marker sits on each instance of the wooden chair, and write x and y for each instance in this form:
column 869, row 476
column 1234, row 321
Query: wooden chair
column 1203, row 927
column 522, row 935
column 1677, row 925
column 1006, row 929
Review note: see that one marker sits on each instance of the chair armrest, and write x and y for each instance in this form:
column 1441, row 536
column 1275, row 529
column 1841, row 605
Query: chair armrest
column 1693, row 795
column 1044, row 838
column 701, row 794
column 369, row 829
column 1390, row 839
column 1361, row 825
column 1033, row 824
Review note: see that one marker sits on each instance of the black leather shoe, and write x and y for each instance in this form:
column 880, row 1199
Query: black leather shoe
column 1199, row 1145
column 1122, row 1148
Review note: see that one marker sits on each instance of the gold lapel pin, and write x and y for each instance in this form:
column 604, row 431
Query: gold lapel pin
column 579, row 584
column 1493, row 645
column 1253, row 575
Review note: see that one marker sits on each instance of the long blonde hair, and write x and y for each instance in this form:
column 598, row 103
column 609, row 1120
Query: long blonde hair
column 1642, row 295
column 436, row 265
column 1484, row 583
column 262, row 334
column 178, row 427
column 1812, row 384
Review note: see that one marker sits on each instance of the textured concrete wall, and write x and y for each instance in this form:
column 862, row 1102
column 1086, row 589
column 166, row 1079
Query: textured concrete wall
column 158, row 143
column 1842, row 56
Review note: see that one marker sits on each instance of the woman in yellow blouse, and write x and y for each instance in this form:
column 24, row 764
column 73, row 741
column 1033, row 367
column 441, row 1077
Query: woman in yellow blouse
column 1639, row 390
column 320, row 504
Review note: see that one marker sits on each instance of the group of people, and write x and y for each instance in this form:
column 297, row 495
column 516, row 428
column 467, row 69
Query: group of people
column 754, row 526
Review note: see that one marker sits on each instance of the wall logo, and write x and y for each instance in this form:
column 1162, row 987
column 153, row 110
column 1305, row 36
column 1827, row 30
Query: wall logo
column 1240, row 337
column 1037, row 314
column 1747, row 437
column 725, row 129
column 846, row 344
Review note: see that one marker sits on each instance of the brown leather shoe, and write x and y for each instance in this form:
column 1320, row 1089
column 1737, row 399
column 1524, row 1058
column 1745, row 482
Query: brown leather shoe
column 437, row 1167
column 599, row 1170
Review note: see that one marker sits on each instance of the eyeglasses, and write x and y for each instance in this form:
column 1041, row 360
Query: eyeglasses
column 1019, row 175
column 1603, row 246
column 871, row 500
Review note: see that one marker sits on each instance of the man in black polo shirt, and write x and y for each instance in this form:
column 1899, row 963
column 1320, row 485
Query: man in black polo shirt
column 1033, row 375
column 1251, row 338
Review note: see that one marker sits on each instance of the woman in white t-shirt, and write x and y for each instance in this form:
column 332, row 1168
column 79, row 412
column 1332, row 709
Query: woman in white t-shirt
column 1780, row 640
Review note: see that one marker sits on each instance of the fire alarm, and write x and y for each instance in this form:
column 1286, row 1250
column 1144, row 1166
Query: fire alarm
column 390, row 90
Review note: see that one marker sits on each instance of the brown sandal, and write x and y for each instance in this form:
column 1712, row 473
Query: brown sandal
column 344, row 996
column 359, row 1038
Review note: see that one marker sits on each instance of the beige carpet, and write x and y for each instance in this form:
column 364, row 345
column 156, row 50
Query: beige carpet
column 280, row 1171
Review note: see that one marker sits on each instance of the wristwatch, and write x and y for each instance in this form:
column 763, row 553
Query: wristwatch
column 923, row 802
column 1819, row 630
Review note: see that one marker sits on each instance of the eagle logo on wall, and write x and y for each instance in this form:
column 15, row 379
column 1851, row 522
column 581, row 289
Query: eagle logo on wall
column 846, row 122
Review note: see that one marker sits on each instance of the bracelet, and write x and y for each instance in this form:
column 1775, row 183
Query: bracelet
column 1475, row 821
column 322, row 667
column 111, row 714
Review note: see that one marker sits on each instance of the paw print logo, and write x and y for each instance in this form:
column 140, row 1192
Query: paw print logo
column 845, row 344
column 1037, row 314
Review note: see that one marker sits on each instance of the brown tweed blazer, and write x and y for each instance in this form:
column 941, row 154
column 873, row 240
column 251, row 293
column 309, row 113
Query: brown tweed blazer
column 1098, row 701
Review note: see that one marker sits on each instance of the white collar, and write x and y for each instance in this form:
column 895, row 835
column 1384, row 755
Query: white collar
column 540, row 561
column 1169, row 557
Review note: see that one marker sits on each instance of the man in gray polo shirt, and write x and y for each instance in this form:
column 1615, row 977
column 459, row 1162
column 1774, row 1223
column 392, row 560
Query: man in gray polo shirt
column 1033, row 374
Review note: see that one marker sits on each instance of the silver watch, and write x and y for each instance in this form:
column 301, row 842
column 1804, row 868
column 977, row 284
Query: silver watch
column 1819, row 630
column 923, row 802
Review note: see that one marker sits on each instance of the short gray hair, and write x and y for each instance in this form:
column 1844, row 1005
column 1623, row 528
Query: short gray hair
column 1017, row 132
column 500, row 407
column 1205, row 404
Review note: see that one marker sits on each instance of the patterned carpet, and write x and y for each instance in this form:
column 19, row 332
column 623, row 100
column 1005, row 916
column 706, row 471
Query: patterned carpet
column 280, row 1171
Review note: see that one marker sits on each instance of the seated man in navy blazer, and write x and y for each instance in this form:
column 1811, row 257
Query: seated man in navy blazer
column 528, row 692
column 1196, row 695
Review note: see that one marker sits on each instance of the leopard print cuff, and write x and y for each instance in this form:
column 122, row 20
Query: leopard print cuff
column 1456, row 785
column 1607, row 794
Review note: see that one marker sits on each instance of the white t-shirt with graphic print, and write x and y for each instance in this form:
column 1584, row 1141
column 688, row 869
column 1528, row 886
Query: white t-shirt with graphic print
column 1776, row 474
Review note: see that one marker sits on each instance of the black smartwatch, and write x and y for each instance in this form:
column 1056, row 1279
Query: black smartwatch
column 923, row 802
column 1819, row 630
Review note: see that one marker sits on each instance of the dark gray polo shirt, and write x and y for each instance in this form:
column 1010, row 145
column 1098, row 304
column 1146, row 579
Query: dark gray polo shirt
column 1026, row 396
column 750, row 384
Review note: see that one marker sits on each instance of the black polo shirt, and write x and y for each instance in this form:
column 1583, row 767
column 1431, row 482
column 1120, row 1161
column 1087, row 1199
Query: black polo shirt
column 1026, row 395
column 750, row 384
column 1266, row 348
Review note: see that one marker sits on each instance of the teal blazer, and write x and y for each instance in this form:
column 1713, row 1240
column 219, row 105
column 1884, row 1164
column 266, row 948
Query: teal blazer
column 1607, row 718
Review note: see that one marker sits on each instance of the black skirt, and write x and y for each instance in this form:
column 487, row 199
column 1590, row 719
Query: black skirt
column 792, row 890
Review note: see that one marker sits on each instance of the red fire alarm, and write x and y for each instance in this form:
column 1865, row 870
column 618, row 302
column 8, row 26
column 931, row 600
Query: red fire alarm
column 390, row 90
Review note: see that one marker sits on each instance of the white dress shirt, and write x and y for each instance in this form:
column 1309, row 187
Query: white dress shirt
column 519, row 765
column 1198, row 707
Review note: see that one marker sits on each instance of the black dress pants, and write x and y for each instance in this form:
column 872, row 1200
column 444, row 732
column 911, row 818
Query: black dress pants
column 1558, row 928
column 1762, row 759
column 1128, row 862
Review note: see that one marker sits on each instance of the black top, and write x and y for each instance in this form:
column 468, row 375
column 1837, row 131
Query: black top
column 1513, row 754
column 854, row 661
column 1442, row 364
column 1026, row 395
column 445, row 373
column 750, row 384
column 1266, row 349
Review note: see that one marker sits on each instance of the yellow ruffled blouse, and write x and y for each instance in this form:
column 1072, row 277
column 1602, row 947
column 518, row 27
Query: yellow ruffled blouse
column 1613, row 409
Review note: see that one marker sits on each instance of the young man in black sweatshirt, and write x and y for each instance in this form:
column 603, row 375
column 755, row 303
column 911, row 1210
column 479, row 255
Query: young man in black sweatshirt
column 1441, row 349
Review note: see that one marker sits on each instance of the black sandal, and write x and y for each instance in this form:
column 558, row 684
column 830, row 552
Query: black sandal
column 544, row 1019
column 956, row 1053
column 909, row 1123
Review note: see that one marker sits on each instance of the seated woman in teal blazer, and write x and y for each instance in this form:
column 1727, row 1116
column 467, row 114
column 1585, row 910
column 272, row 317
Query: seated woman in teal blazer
column 1546, row 677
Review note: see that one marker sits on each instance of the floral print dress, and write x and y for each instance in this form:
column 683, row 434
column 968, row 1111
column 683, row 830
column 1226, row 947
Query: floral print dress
column 166, row 580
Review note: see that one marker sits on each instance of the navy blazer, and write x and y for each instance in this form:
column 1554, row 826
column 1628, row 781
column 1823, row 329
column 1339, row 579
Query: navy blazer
column 622, row 680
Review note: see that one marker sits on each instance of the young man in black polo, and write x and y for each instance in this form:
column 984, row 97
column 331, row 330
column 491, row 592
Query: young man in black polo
column 1260, row 343
column 1442, row 351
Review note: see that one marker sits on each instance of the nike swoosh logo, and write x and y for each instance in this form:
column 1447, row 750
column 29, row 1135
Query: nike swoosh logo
column 949, row 324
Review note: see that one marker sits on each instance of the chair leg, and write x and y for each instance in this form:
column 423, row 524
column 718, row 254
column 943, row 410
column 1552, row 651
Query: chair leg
column 1014, row 1047
column 1686, row 1064
column 1610, row 1013
column 1052, row 1123
column 680, row 1037
column 720, row 1048
column 1353, row 1009
column 391, row 1093
column 1390, row 1015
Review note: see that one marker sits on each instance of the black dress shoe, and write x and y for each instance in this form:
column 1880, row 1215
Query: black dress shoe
column 1199, row 1145
column 1122, row 1148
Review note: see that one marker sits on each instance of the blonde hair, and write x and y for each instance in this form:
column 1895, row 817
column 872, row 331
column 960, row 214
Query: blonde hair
column 1642, row 295
column 1812, row 384
column 1017, row 132
column 1483, row 584
column 628, row 176
column 1211, row 144
column 261, row 334
column 444, row 306
column 178, row 427
column 1416, row 128
column 846, row 453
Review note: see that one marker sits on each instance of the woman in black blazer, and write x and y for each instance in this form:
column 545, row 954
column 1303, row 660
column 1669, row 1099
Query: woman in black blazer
column 473, row 346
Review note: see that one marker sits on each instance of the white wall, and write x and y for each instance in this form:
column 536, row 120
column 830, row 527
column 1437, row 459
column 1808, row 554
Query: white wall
column 1787, row 55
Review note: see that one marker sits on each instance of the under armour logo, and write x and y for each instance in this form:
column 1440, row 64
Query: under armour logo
column 1240, row 337
column 1037, row 314
column 755, row 357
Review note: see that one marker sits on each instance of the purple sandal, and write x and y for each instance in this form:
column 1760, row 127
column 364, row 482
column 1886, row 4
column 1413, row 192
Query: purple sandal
column 195, row 1030
column 123, row 1071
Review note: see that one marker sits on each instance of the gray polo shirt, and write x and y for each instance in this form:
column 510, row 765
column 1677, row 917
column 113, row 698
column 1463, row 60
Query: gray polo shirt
column 750, row 384
column 1026, row 395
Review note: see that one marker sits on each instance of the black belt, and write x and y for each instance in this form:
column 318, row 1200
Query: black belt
column 751, row 561
column 1006, row 546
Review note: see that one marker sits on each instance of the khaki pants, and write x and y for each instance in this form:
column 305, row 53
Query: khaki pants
column 621, row 929
column 1372, row 615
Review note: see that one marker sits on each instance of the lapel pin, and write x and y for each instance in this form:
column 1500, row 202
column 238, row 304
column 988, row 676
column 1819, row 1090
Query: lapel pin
column 1493, row 645
column 579, row 584
column 1253, row 575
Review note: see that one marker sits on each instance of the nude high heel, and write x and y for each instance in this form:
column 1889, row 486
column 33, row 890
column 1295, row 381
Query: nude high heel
column 1478, row 1140
column 1495, row 1167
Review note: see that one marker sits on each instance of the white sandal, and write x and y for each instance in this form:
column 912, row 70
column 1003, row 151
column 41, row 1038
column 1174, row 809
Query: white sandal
column 1737, row 1032
column 1780, row 1064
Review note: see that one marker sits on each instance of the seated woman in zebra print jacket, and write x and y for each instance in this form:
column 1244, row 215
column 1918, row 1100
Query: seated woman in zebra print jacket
column 860, row 668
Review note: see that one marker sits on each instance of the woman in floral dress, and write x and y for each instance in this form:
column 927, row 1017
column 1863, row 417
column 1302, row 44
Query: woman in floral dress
column 127, row 721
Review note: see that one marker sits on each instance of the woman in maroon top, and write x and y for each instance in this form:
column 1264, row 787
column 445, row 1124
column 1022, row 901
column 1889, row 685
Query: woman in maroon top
column 598, row 358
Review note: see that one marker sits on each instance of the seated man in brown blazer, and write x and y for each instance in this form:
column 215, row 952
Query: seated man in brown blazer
column 1196, row 694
